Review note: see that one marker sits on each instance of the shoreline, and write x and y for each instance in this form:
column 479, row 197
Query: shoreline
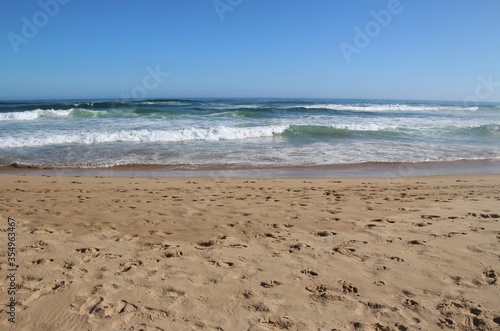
column 359, row 170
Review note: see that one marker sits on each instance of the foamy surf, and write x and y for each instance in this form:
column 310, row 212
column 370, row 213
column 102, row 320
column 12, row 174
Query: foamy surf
column 47, row 113
column 244, row 132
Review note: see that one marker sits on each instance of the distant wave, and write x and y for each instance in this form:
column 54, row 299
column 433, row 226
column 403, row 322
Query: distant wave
column 382, row 107
column 488, row 129
column 166, row 107
column 40, row 113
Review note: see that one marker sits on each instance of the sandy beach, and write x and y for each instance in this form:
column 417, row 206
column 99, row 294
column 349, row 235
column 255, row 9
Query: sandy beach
column 95, row 253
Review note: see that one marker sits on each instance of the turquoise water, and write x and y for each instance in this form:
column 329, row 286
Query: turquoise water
column 244, row 132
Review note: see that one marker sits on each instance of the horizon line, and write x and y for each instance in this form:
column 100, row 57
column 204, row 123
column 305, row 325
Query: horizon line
column 239, row 98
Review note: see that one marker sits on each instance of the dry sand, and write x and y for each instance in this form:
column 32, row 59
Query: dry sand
column 252, row 254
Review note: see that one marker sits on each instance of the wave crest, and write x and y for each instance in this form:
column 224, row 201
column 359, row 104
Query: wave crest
column 211, row 134
column 44, row 113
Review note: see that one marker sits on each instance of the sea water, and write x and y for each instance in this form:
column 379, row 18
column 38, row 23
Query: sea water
column 243, row 133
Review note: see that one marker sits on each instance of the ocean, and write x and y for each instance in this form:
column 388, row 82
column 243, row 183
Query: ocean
column 243, row 133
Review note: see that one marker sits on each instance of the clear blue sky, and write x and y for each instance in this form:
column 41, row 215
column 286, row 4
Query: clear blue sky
column 430, row 49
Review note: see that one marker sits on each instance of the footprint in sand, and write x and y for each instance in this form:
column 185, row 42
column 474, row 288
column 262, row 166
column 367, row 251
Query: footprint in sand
column 153, row 313
column 98, row 307
column 398, row 259
column 42, row 231
column 173, row 254
column 309, row 272
column 270, row 283
column 463, row 314
column 260, row 307
column 283, row 323
column 281, row 226
column 416, row 242
column 297, row 247
column 323, row 293
column 348, row 288
column 126, row 307
column 212, row 243
column 429, row 217
column 490, row 276
column 42, row 261
column 325, row 233
column 422, row 224
column 158, row 246
column 172, row 292
column 127, row 266
column 343, row 250
column 412, row 305
column 127, row 238
column 221, row 264
column 89, row 253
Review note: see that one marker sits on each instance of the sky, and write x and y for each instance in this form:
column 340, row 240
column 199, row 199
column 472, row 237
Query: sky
column 356, row 49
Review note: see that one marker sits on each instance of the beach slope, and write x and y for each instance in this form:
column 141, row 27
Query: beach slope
column 98, row 253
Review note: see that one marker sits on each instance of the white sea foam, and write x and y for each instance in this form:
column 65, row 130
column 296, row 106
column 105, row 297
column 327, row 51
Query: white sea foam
column 225, row 106
column 40, row 113
column 383, row 107
column 211, row 134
